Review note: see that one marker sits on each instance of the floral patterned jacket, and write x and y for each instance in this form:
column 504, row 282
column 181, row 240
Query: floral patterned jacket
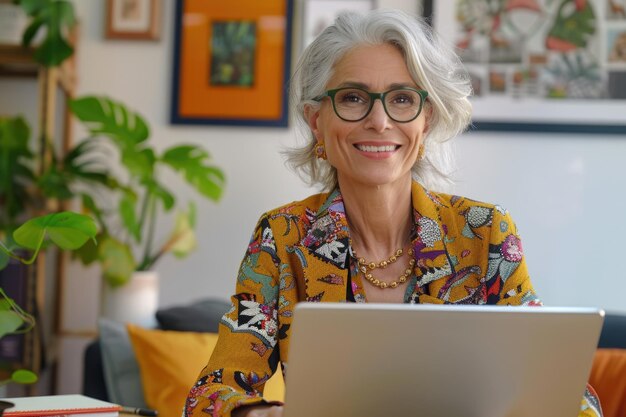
column 466, row 253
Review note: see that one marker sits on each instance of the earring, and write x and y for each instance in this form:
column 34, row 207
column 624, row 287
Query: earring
column 421, row 153
column 320, row 150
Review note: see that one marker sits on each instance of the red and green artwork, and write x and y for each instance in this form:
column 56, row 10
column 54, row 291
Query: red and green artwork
column 534, row 48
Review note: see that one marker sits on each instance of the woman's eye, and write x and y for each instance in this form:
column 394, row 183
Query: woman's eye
column 352, row 98
column 403, row 99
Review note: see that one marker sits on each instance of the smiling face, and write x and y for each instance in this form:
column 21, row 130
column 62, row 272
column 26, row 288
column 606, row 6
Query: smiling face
column 376, row 150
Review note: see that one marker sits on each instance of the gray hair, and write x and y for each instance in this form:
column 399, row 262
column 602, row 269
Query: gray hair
column 432, row 65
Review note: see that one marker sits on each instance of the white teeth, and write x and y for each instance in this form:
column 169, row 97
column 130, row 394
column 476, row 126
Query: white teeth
column 367, row 148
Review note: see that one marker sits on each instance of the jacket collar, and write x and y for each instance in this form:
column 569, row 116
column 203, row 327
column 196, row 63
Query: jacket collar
column 327, row 241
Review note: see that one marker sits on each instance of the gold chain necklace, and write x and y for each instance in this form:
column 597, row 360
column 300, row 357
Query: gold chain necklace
column 381, row 264
column 364, row 266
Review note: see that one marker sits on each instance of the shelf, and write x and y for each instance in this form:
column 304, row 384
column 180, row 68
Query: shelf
column 18, row 61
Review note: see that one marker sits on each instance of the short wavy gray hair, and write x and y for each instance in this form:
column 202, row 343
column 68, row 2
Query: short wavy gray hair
column 431, row 63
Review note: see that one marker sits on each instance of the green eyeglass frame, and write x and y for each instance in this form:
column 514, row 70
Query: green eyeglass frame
column 373, row 96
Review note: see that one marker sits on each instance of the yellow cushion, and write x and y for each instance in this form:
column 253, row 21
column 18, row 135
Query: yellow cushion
column 170, row 362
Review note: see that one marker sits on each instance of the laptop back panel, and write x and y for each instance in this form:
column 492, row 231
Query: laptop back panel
column 371, row 360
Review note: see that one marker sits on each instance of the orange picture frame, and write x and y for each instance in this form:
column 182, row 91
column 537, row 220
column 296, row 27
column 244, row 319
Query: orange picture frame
column 232, row 62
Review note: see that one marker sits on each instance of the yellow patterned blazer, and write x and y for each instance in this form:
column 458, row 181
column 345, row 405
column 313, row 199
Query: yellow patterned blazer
column 466, row 252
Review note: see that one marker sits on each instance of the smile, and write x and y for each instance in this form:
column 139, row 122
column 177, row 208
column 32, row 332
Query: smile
column 370, row 148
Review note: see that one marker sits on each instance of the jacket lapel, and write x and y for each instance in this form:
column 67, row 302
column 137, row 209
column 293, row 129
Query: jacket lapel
column 325, row 247
column 429, row 244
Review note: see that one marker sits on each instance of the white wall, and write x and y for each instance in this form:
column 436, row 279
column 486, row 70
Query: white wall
column 566, row 192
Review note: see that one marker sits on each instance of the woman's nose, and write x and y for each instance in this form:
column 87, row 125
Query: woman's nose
column 378, row 118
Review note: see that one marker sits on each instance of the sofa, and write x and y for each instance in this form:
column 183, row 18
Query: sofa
column 113, row 370
column 608, row 373
column 155, row 368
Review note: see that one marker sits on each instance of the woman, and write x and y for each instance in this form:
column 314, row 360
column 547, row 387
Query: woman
column 379, row 97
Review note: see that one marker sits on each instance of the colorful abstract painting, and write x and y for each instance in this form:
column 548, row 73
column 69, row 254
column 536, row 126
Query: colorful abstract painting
column 541, row 62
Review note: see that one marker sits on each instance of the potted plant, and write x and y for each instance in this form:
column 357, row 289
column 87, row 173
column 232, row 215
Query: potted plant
column 127, row 212
column 68, row 231
column 125, row 198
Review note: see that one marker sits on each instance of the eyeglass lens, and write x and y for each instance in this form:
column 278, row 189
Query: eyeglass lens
column 354, row 104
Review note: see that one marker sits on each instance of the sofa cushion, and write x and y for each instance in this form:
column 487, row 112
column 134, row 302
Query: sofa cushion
column 170, row 362
column 120, row 367
column 608, row 378
column 200, row 316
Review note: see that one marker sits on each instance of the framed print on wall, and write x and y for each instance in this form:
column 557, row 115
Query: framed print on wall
column 133, row 19
column 541, row 65
column 231, row 62
column 318, row 14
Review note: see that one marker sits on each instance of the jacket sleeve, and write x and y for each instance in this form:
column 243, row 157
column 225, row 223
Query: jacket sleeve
column 508, row 283
column 246, row 354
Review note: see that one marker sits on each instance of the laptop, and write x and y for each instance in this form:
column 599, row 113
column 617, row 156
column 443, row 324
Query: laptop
column 387, row 360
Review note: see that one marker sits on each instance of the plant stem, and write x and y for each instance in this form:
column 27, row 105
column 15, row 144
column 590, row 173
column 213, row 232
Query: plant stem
column 166, row 247
column 144, row 212
column 26, row 317
column 148, row 260
column 13, row 255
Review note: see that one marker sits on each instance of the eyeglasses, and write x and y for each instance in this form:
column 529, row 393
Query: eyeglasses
column 353, row 104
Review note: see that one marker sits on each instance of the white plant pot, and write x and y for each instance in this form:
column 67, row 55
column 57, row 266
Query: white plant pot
column 135, row 302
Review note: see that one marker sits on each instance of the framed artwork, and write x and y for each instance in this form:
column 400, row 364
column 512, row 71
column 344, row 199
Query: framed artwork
column 318, row 14
column 133, row 19
column 231, row 62
column 540, row 65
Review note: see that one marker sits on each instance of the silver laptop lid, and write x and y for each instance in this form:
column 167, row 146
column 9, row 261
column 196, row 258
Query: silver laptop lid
column 373, row 360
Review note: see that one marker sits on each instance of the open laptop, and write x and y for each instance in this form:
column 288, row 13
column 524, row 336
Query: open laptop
column 388, row 360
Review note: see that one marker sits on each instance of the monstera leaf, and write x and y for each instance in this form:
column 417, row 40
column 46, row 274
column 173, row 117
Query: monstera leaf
column 103, row 116
column 56, row 18
column 192, row 162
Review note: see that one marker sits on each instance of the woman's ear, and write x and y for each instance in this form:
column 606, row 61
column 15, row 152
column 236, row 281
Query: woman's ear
column 311, row 114
column 428, row 114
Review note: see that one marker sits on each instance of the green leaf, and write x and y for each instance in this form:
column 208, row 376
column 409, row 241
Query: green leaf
column 56, row 17
column 14, row 133
column 31, row 31
column 117, row 261
column 88, row 253
column 179, row 156
column 183, row 237
column 53, row 50
column 10, row 321
column 162, row 194
column 65, row 13
column 23, row 376
column 103, row 116
column 208, row 181
column 192, row 162
column 127, row 212
column 32, row 7
column 5, row 305
column 55, row 184
column 66, row 229
column 140, row 163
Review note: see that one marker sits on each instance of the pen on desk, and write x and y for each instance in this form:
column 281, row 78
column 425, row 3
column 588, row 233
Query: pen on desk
column 139, row 411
